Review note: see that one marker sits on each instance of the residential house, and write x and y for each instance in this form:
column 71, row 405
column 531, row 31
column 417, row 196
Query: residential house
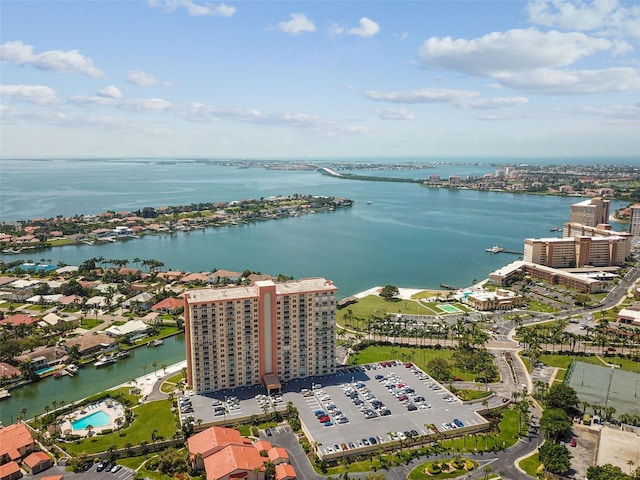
column 168, row 305
column 37, row 462
column 132, row 329
column 90, row 344
column 8, row 372
column 10, row 471
column 16, row 443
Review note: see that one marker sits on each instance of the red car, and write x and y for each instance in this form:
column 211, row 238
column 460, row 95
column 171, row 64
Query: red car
column 324, row 418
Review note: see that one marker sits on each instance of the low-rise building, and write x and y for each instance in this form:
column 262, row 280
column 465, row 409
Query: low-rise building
column 16, row 443
column 225, row 455
column 629, row 316
column 501, row 299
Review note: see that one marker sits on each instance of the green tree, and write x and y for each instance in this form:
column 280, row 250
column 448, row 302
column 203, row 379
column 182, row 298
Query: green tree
column 439, row 369
column 556, row 458
column 389, row 291
column 562, row 396
column 554, row 422
column 606, row 472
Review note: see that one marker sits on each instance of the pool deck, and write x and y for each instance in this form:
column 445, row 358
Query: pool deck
column 112, row 408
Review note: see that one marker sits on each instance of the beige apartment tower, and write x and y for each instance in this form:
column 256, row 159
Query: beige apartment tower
column 591, row 212
column 264, row 333
column 634, row 221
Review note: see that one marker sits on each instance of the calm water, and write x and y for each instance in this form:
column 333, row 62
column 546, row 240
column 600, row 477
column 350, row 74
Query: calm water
column 90, row 380
column 408, row 235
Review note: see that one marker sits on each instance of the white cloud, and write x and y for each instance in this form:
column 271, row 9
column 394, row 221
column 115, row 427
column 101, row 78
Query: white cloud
column 38, row 94
column 134, row 104
column 459, row 98
column 573, row 82
column 425, row 95
column 532, row 60
column 58, row 61
column 513, row 50
column 110, row 92
column 201, row 112
column 616, row 112
column 602, row 16
column 143, row 79
column 195, row 9
column 299, row 23
column 367, row 28
column 394, row 114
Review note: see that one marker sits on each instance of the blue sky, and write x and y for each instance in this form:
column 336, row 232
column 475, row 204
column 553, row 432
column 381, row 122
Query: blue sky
column 275, row 79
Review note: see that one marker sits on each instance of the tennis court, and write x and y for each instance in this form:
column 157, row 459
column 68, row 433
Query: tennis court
column 449, row 309
column 606, row 386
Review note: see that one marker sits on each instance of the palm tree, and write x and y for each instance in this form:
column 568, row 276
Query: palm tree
column 144, row 369
column 154, row 364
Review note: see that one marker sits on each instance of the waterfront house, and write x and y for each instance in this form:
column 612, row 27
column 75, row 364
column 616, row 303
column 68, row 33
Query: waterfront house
column 168, row 305
column 8, row 372
column 142, row 300
column 131, row 329
column 90, row 344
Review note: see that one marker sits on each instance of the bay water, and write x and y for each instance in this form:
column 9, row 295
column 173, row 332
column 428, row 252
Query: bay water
column 396, row 233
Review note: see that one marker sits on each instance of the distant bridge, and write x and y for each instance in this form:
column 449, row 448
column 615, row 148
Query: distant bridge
column 328, row 171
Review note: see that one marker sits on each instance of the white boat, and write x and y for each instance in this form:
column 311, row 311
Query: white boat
column 72, row 370
column 495, row 249
column 4, row 393
column 155, row 343
column 104, row 361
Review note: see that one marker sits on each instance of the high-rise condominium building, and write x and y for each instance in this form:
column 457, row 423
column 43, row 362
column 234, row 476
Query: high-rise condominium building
column 591, row 212
column 264, row 333
column 634, row 223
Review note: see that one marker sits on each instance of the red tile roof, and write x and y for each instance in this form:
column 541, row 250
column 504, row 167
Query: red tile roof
column 18, row 319
column 8, row 371
column 278, row 455
column 9, row 469
column 35, row 458
column 233, row 460
column 13, row 438
column 284, row 471
column 212, row 439
column 168, row 303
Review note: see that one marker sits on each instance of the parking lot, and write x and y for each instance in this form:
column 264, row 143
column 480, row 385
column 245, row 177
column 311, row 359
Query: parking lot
column 356, row 409
column 363, row 407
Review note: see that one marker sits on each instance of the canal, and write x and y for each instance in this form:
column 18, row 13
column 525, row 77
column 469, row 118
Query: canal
column 35, row 396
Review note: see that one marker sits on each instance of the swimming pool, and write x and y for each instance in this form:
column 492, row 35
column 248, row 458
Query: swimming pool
column 44, row 370
column 95, row 419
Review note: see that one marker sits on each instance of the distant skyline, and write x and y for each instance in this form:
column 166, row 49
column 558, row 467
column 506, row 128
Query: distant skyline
column 296, row 80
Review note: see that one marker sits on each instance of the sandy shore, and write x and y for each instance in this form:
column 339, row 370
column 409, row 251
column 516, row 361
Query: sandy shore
column 404, row 293
column 146, row 382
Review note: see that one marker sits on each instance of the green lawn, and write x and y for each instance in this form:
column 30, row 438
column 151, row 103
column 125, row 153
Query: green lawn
column 419, row 356
column 374, row 304
column 419, row 473
column 563, row 361
column 540, row 307
column 148, row 417
column 530, row 464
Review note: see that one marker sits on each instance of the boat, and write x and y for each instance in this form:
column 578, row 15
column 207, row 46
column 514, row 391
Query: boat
column 57, row 375
column 104, row 361
column 4, row 393
column 72, row 370
column 123, row 354
column 555, row 229
column 155, row 343
column 495, row 249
